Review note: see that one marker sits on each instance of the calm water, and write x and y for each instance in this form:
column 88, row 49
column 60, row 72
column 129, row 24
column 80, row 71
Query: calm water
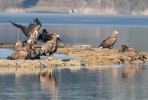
column 122, row 82
column 4, row 53
column 81, row 29
column 117, row 82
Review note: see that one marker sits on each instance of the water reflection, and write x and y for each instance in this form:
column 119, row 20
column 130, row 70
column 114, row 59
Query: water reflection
column 95, row 82
column 49, row 84
column 74, row 83
column 131, row 70
column 73, row 35
column 81, row 29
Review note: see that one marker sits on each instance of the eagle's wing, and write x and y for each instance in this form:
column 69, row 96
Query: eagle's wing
column 23, row 28
column 132, row 54
column 19, row 54
column 31, row 26
column 45, row 36
column 36, row 23
column 48, row 46
column 131, row 49
column 110, row 41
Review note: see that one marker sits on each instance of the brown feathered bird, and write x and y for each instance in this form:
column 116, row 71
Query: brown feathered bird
column 33, row 37
column 32, row 31
column 132, row 54
column 19, row 45
column 24, row 51
column 124, row 47
column 110, row 41
column 50, row 47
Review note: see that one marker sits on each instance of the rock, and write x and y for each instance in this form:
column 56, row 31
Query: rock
column 92, row 57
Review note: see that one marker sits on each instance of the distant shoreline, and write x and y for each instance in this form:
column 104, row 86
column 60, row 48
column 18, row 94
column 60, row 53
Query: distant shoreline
column 15, row 10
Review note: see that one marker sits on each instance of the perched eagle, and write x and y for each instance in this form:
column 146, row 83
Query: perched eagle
column 24, row 51
column 124, row 48
column 50, row 47
column 110, row 41
column 132, row 54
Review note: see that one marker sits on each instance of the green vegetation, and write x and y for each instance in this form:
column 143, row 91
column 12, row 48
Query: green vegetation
column 94, row 6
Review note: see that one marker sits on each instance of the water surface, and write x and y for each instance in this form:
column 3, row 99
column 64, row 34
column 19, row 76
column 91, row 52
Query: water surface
column 80, row 29
column 4, row 53
column 124, row 82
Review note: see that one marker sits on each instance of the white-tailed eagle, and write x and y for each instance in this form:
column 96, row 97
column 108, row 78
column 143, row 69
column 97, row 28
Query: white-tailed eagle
column 110, row 41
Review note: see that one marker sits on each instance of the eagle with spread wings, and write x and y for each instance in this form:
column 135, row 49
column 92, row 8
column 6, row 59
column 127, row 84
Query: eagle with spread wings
column 30, row 29
column 33, row 31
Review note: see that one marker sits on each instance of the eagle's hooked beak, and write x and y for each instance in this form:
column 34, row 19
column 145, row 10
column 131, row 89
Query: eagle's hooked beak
column 59, row 38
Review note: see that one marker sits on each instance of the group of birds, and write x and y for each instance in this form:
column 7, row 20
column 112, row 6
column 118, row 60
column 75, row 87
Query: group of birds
column 25, row 49
column 130, row 53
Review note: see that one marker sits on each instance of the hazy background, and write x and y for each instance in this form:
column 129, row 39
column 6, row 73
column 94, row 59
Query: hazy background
column 76, row 6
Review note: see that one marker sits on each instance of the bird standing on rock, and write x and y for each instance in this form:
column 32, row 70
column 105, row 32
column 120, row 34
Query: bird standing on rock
column 24, row 52
column 51, row 46
column 110, row 41
column 132, row 54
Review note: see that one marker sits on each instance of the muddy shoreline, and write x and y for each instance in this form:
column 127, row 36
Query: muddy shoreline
column 92, row 56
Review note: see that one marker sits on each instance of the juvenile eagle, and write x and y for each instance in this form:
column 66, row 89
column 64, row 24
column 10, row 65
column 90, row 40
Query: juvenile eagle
column 30, row 29
column 19, row 45
column 132, row 54
column 45, row 36
column 24, row 51
column 110, row 41
column 124, row 48
column 33, row 31
column 50, row 47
